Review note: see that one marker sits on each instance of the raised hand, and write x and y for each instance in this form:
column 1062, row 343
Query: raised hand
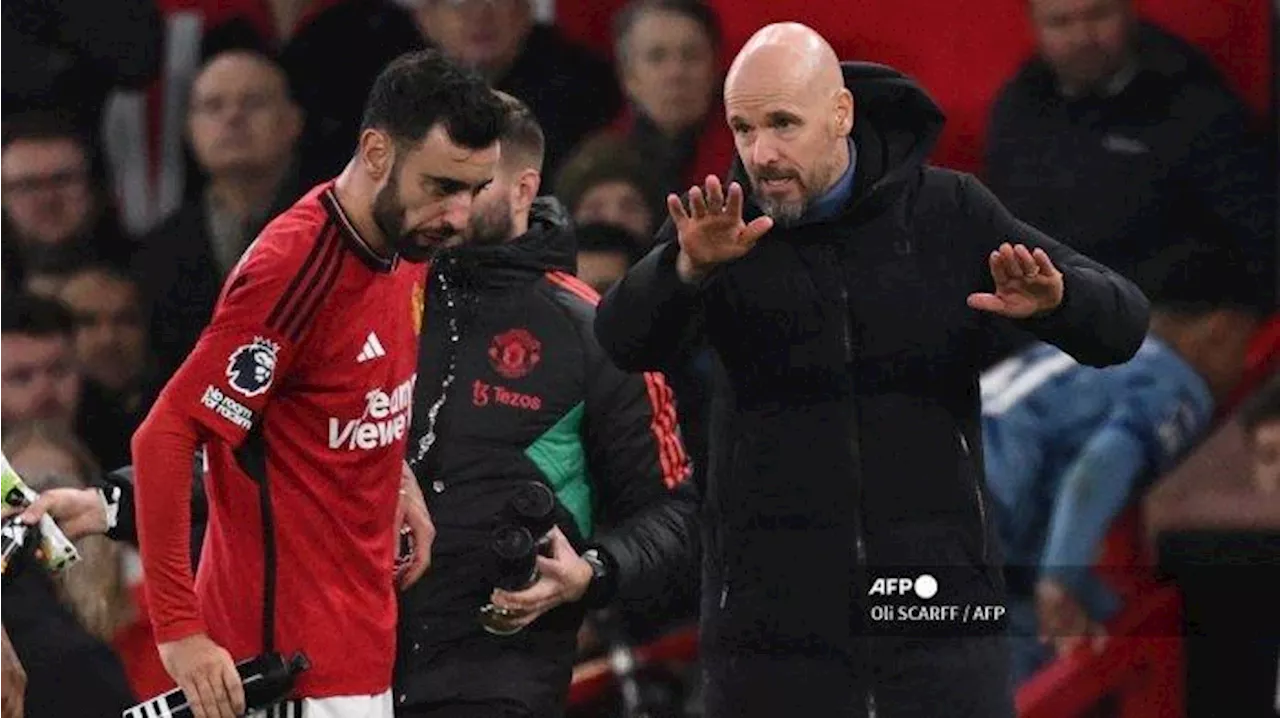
column 712, row 231
column 1026, row 282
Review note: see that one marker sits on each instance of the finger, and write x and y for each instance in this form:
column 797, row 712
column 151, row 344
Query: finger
column 560, row 546
column 1025, row 261
column 213, row 696
column 754, row 231
column 675, row 208
column 199, row 695
column 234, row 687
column 1009, row 260
column 223, row 695
column 998, row 275
column 1044, row 262
column 715, row 194
column 32, row 514
column 542, row 590
column 733, row 205
column 422, row 540
column 697, row 203
column 987, row 302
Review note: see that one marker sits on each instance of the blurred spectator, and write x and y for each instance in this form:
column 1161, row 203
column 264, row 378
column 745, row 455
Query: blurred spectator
column 1261, row 420
column 331, row 51
column 111, row 348
column 244, row 128
column 667, row 52
column 66, row 55
column 570, row 90
column 55, row 210
column 38, row 375
column 1126, row 143
column 1068, row 447
column 60, row 626
column 607, row 180
column 605, row 253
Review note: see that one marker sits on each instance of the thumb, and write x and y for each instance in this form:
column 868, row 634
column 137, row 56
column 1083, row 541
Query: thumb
column 561, row 549
column 986, row 302
column 754, row 231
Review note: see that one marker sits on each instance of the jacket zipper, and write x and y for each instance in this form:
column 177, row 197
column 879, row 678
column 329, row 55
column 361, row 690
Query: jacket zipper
column 977, row 494
column 860, row 545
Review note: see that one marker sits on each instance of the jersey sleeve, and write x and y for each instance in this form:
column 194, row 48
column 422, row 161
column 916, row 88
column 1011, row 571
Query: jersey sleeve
column 258, row 327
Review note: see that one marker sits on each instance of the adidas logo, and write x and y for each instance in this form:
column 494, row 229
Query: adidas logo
column 372, row 349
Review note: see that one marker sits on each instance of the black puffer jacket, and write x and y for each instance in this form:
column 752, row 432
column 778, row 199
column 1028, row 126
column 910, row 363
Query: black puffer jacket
column 846, row 445
column 533, row 398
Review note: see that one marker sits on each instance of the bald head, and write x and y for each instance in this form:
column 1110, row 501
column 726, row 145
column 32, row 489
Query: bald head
column 791, row 115
column 790, row 54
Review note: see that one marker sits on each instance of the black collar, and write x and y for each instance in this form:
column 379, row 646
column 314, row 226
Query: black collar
column 351, row 236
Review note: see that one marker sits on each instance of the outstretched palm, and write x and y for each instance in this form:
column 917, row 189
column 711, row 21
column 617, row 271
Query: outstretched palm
column 712, row 231
column 1026, row 283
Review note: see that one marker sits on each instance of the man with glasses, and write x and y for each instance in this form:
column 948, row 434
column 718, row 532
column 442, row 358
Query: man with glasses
column 53, row 205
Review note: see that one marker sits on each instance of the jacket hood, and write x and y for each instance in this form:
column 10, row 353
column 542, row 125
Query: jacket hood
column 549, row 245
column 896, row 125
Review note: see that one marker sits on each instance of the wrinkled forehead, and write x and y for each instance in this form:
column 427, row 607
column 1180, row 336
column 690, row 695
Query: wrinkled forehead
column 438, row 156
column 770, row 83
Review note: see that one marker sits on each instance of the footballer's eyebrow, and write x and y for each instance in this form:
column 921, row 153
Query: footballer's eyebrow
column 452, row 185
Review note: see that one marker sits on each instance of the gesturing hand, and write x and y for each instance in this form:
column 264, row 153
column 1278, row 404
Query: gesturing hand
column 712, row 231
column 206, row 674
column 1026, row 282
column 563, row 578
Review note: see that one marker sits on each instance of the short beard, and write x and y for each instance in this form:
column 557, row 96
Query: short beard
column 783, row 212
column 388, row 215
column 493, row 226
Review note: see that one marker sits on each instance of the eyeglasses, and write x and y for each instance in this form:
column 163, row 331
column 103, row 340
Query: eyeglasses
column 71, row 178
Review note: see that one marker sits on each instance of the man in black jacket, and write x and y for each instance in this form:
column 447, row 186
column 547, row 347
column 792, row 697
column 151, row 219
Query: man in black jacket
column 512, row 389
column 1124, row 141
column 846, row 447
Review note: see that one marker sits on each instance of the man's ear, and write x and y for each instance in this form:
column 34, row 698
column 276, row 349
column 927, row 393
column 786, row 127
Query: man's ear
column 525, row 189
column 844, row 112
column 377, row 153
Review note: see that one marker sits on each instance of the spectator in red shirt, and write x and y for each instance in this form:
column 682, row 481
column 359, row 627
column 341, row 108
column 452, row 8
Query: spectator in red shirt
column 667, row 54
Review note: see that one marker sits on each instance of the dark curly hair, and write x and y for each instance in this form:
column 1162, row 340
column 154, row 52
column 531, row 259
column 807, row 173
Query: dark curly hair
column 419, row 90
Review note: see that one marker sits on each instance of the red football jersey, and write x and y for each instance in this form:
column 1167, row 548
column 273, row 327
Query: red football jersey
column 305, row 374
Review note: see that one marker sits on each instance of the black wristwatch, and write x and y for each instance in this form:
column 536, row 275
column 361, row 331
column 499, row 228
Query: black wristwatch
column 600, row 590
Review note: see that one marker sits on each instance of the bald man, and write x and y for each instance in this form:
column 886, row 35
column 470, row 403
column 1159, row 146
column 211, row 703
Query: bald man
column 851, row 292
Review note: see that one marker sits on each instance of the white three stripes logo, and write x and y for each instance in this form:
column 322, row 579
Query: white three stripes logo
column 372, row 349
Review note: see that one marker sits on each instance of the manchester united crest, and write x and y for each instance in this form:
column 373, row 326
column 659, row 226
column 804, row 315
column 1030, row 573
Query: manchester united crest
column 417, row 306
column 514, row 353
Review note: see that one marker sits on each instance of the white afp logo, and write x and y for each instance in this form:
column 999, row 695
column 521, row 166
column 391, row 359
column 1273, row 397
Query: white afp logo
column 923, row 586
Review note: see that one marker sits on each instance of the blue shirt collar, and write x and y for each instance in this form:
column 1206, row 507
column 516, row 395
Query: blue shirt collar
column 833, row 202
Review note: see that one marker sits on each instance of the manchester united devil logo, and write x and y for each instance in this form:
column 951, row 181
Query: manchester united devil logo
column 514, row 353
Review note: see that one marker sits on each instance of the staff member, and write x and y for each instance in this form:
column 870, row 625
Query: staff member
column 851, row 292
column 515, row 389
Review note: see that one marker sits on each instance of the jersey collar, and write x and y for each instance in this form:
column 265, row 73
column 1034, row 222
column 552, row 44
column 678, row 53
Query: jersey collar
column 351, row 236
